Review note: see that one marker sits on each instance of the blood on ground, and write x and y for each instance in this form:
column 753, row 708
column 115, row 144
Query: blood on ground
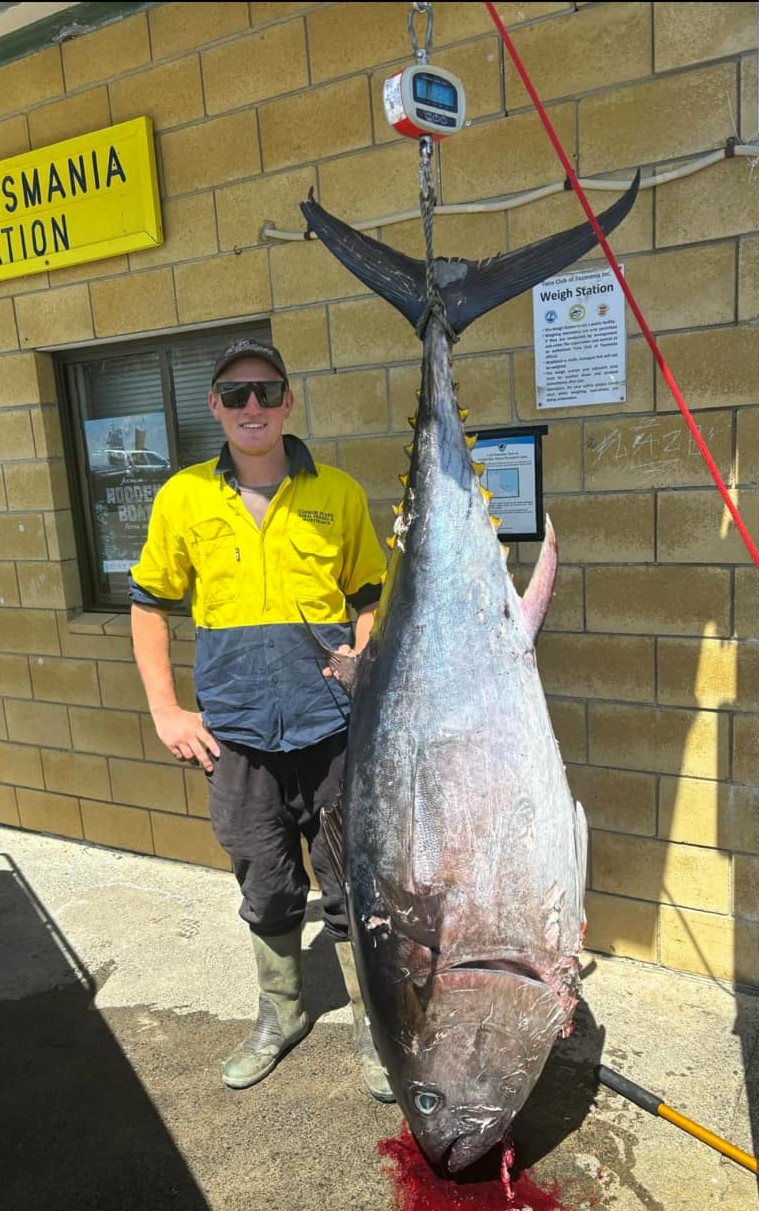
column 418, row 1188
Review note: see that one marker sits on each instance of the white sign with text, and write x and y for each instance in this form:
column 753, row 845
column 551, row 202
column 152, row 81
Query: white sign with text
column 580, row 347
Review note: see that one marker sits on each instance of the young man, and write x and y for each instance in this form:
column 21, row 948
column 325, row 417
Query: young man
column 257, row 536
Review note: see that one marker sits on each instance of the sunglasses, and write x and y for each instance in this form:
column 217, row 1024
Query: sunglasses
column 236, row 395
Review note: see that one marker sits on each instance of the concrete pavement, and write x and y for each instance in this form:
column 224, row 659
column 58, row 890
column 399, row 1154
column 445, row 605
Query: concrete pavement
column 125, row 979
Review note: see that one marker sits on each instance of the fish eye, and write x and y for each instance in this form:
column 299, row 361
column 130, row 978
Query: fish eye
column 427, row 1102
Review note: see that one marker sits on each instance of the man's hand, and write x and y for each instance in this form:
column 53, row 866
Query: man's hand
column 184, row 736
column 343, row 650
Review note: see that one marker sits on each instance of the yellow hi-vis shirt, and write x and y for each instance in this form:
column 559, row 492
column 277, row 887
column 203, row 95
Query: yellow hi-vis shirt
column 258, row 677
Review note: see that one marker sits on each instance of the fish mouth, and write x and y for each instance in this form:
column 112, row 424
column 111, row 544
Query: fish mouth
column 472, row 1147
column 523, row 971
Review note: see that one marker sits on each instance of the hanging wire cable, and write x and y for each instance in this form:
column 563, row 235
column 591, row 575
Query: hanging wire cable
column 667, row 373
column 608, row 184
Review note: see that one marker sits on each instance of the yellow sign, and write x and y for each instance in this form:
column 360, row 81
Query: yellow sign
column 85, row 199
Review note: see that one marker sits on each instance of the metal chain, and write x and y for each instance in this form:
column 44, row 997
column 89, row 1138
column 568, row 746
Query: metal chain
column 427, row 205
column 427, row 199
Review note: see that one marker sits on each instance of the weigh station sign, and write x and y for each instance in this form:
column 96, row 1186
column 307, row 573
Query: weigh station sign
column 580, row 351
column 85, row 199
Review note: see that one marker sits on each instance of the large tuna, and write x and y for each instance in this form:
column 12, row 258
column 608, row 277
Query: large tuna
column 463, row 852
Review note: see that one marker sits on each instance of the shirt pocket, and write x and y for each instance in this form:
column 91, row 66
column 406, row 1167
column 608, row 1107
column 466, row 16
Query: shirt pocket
column 216, row 557
column 314, row 564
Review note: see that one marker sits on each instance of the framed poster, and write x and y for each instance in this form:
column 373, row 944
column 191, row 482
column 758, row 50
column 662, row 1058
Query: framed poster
column 513, row 472
column 128, row 460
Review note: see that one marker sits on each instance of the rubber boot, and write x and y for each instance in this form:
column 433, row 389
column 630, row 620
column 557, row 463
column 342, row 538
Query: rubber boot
column 374, row 1073
column 282, row 1020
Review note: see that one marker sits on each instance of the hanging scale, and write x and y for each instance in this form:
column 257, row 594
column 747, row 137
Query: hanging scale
column 422, row 99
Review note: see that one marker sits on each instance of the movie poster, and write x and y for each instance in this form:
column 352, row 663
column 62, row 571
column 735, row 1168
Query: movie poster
column 128, row 459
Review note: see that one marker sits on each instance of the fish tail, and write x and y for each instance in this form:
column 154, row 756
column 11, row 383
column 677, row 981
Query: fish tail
column 468, row 289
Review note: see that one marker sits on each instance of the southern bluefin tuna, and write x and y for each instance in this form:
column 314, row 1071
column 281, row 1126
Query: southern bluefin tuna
column 461, row 847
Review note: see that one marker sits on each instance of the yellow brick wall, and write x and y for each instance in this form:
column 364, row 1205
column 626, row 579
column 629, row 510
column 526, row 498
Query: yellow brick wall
column 648, row 656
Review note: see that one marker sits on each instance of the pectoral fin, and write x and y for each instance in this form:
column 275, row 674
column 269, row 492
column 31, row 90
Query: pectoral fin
column 344, row 667
column 414, row 914
column 412, row 920
column 539, row 592
column 332, row 829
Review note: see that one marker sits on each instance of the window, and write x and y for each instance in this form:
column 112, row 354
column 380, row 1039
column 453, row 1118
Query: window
column 136, row 413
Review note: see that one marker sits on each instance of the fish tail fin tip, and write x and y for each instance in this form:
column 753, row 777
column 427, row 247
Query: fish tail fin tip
column 490, row 283
column 397, row 278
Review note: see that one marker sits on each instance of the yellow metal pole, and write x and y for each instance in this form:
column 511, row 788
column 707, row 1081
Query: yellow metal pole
column 654, row 1105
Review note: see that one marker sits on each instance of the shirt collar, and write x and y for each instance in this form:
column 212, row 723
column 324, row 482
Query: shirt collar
column 298, row 454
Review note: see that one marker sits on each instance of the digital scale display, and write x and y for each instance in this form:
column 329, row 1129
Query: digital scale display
column 434, row 90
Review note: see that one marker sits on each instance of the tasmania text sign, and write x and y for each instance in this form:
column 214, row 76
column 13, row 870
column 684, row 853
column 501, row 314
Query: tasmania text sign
column 85, row 199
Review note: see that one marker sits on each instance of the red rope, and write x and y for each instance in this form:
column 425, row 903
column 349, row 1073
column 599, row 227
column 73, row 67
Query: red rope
column 571, row 176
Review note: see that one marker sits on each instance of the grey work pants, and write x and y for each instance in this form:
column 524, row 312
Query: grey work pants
column 261, row 805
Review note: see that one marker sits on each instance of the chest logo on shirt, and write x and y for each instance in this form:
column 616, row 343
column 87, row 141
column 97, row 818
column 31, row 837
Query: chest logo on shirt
column 316, row 517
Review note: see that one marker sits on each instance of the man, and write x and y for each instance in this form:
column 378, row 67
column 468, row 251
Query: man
column 257, row 536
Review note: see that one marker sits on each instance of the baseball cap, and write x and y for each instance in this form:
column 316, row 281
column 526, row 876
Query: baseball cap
column 248, row 347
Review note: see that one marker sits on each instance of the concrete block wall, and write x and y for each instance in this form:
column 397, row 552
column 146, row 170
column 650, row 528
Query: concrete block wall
column 649, row 655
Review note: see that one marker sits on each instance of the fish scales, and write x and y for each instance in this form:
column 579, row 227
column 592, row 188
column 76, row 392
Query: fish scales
column 459, row 843
column 457, row 666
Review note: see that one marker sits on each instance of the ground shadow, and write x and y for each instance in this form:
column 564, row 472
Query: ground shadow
column 564, row 1095
column 78, row 1130
column 746, row 1028
column 323, row 984
column 739, row 834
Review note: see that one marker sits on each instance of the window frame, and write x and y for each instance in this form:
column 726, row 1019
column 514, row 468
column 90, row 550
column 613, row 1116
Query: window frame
column 72, row 397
